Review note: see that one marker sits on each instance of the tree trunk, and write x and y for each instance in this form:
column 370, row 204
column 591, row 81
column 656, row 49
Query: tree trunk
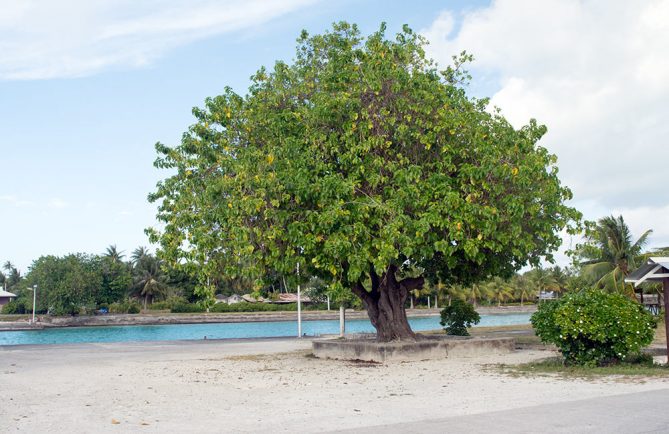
column 385, row 304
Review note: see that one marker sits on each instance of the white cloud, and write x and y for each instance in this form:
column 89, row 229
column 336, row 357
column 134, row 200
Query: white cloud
column 15, row 201
column 69, row 38
column 597, row 74
column 57, row 203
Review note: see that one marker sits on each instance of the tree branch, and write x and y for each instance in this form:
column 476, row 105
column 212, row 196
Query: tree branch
column 374, row 277
column 411, row 283
column 358, row 289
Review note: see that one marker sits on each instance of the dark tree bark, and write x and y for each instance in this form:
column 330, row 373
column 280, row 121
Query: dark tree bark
column 385, row 304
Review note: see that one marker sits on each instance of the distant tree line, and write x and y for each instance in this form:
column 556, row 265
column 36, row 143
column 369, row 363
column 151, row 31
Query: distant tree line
column 83, row 283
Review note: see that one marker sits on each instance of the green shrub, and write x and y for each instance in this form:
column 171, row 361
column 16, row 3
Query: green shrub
column 127, row 306
column 159, row 305
column 253, row 307
column 183, row 307
column 167, row 304
column 14, row 307
column 594, row 327
column 457, row 317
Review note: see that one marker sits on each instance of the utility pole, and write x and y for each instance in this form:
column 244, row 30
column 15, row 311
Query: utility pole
column 299, row 304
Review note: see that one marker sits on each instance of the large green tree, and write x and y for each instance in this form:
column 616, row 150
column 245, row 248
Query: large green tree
column 358, row 160
column 65, row 284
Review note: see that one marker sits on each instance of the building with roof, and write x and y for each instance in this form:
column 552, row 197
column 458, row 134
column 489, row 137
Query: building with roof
column 6, row 297
column 656, row 269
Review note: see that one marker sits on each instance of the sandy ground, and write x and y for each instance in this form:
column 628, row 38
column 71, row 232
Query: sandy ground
column 269, row 385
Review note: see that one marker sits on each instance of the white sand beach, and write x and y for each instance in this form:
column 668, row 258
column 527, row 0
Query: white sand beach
column 268, row 385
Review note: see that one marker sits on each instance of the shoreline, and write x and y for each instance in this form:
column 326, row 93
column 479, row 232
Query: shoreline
column 107, row 320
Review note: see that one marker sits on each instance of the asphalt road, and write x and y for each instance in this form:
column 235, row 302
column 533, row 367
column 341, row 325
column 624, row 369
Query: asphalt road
column 645, row 412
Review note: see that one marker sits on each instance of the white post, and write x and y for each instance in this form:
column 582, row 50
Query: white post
column 299, row 304
column 34, row 301
column 428, row 301
column 436, row 302
column 342, row 320
column 328, row 301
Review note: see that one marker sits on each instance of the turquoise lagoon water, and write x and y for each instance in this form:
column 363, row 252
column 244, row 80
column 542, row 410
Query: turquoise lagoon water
column 175, row 332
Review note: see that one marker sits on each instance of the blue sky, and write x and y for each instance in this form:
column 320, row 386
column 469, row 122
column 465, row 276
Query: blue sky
column 85, row 95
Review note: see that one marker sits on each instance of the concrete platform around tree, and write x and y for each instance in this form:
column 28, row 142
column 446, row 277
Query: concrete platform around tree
column 426, row 348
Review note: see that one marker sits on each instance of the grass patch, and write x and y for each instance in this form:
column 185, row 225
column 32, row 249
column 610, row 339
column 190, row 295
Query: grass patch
column 554, row 366
column 14, row 317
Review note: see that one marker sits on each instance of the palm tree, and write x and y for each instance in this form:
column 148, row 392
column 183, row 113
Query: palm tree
column 3, row 280
column 439, row 290
column 149, row 279
column 138, row 254
column 12, row 277
column 609, row 253
column 455, row 291
column 522, row 288
column 499, row 290
column 476, row 292
column 425, row 291
column 560, row 278
column 542, row 280
column 113, row 254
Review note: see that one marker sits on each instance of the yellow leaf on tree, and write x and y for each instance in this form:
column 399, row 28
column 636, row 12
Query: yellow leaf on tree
column 514, row 171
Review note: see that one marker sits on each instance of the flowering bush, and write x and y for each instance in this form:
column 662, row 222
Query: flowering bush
column 593, row 327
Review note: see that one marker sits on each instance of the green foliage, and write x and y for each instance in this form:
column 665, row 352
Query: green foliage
column 359, row 156
column 116, row 278
column 609, row 253
column 594, row 327
column 253, row 307
column 168, row 303
column 150, row 281
column 183, row 307
column 458, row 317
column 65, row 284
column 15, row 307
column 126, row 306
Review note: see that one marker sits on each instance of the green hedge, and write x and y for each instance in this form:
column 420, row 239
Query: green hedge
column 253, row 307
column 184, row 307
column 128, row 306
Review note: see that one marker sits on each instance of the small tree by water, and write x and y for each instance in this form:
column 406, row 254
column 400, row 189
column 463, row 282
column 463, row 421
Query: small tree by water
column 458, row 317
